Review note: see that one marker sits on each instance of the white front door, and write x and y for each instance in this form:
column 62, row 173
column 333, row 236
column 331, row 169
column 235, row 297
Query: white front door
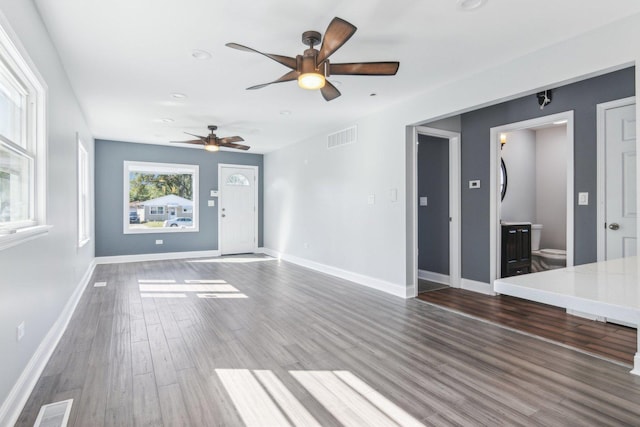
column 238, row 210
column 620, row 186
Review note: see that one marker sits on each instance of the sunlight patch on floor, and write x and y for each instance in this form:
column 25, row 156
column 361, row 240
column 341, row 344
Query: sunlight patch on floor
column 202, row 288
column 262, row 399
column 234, row 260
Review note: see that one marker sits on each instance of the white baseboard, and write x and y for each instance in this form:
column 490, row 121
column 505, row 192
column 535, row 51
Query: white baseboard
column 434, row 277
column 475, row 286
column 361, row 279
column 19, row 394
column 584, row 315
column 155, row 257
column 636, row 364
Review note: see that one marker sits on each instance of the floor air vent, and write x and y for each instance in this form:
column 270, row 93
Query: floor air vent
column 343, row 137
column 54, row 414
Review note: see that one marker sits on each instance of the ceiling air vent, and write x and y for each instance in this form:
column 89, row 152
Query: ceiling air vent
column 343, row 137
column 54, row 414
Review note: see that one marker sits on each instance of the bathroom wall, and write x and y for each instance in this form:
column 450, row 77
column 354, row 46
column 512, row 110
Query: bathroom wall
column 433, row 219
column 519, row 155
column 551, row 194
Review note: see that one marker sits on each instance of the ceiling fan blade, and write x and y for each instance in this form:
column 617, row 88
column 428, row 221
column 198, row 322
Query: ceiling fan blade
column 338, row 32
column 365, row 69
column 236, row 146
column 197, row 141
column 203, row 138
column 284, row 60
column 329, row 91
column 291, row 75
column 230, row 139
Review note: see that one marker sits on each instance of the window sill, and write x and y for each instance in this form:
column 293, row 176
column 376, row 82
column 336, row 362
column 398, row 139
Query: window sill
column 23, row 235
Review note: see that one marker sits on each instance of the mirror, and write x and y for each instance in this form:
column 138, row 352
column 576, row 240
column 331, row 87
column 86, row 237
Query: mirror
column 503, row 179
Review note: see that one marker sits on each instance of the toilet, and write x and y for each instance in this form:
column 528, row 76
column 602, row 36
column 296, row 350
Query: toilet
column 544, row 259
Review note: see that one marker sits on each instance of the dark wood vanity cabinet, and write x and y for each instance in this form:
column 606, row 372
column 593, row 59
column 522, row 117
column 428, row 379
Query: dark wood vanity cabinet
column 516, row 249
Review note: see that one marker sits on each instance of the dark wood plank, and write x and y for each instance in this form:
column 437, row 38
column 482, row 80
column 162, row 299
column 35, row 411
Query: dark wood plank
column 605, row 339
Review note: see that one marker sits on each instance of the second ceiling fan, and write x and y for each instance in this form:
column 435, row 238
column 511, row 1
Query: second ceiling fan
column 312, row 68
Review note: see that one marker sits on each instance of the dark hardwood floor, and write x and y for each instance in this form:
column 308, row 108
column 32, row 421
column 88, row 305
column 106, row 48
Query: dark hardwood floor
column 604, row 339
column 254, row 341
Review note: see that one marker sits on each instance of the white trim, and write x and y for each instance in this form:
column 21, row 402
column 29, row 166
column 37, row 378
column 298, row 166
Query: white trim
column 455, row 243
column 169, row 168
column 475, row 286
column 494, row 183
column 434, row 277
column 368, row 281
column 23, row 235
column 17, row 398
column 602, row 170
column 256, row 200
column 155, row 257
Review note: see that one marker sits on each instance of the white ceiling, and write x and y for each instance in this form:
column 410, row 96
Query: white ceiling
column 125, row 57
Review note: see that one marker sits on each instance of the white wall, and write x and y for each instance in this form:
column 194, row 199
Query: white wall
column 323, row 202
column 519, row 155
column 551, row 194
column 38, row 277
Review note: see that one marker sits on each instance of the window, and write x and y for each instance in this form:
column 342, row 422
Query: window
column 83, row 195
column 237, row 179
column 160, row 198
column 22, row 147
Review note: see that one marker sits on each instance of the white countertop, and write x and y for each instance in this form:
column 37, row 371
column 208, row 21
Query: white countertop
column 610, row 288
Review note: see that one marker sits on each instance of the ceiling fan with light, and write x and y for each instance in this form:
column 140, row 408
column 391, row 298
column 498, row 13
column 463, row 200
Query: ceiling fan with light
column 212, row 143
column 312, row 68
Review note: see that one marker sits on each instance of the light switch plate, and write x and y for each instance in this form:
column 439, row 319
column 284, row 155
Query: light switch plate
column 393, row 195
column 371, row 200
column 423, row 200
column 211, row 202
column 474, row 183
column 583, row 199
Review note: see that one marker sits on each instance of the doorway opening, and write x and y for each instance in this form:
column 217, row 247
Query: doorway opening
column 531, row 206
column 435, row 209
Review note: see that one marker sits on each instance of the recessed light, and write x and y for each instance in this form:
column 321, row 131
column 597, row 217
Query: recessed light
column 285, row 112
column 471, row 4
column 166, row 120
column 178, row 95
column 201, row 54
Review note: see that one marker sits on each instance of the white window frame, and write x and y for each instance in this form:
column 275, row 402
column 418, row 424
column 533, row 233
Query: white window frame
column 165, row 168
column 15, row 60
column 84, row 205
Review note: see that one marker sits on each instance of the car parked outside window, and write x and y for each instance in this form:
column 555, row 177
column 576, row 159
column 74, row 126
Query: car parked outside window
column 179, row 222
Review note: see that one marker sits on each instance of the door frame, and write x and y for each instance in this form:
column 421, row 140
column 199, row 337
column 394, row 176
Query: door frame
column 494, row 184
column 601, row 170
column 256, row 169
column 455, row 244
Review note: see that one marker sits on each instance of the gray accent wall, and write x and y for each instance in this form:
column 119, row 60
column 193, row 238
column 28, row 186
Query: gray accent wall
column 581, row 97
column 433, row 219
column 110, row 157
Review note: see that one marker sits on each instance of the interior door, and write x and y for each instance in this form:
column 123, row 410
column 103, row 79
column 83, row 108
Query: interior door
column 620, row 186
column 238, row 209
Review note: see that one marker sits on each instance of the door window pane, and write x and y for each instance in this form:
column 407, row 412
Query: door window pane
column 237, row 179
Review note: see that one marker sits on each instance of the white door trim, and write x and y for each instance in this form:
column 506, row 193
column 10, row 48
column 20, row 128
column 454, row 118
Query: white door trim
column 494, row 183
column 601, row 169
column 455, row 245
column 255, row 195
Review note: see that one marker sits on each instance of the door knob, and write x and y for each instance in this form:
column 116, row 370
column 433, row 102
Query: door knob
column 614, row 226
column 224, row 209
column 223, row 215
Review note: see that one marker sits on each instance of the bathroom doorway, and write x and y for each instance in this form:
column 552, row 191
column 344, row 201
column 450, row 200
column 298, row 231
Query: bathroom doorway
column 532, row 174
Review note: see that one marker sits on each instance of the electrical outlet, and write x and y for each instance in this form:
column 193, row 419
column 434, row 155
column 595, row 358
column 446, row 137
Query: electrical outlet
column 159, row 242
column 371, row 200
column 20, row 331
column 474, row 183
